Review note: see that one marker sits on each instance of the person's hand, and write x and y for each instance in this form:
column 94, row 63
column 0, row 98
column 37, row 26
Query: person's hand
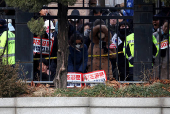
column 52, row 38
column 48, row 72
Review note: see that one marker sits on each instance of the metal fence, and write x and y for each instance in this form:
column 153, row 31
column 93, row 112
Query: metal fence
column 117, row 67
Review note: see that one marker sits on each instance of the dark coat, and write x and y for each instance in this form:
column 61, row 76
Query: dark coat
column 78, row 59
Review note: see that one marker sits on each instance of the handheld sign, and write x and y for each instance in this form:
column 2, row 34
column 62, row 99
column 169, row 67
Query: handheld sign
column 164, row 44
column 45, row 45
column 74, row 77
column 96, row 76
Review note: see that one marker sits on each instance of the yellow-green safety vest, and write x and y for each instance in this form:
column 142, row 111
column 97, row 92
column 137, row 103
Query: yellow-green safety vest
column 130, row 41
column 11, row 48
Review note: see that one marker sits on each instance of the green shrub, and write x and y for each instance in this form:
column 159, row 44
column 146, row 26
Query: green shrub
column 10, row 83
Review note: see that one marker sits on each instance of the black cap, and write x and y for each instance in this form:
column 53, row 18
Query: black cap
column 2, row 22
column 75, row 12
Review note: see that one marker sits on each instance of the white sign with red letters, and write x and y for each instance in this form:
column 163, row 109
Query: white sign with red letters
column 74, row 77
column 96, row 76
column 164, row 44
column 45, row 45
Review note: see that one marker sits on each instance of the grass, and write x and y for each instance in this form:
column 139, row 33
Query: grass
column 154, row 90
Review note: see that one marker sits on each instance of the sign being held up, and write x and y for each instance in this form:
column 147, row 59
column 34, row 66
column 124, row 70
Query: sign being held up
column 164, row 44
column 45, row 45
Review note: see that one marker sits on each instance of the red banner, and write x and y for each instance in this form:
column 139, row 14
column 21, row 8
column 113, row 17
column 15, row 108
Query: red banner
column 45, row 45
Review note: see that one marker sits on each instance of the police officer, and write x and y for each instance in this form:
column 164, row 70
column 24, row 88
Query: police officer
column 7, row 41
column 130, row 52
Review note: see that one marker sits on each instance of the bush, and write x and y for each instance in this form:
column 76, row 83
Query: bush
column 10, row 83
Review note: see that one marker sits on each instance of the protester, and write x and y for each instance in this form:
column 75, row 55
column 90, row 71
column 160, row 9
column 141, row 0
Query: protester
column 118, row 39
column 48, row 33
column 78, row 57
column 75, row 22
column 163, row 38
column 113, row 23
column 49, row 30
column 86, row 31
column 46, row 74
column 100, row 44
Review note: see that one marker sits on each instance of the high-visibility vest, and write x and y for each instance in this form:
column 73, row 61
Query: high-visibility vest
column 10, row 46
column 130, row 42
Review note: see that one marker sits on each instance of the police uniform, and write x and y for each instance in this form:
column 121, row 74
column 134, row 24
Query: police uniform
column 130, row 51
column 8, row 56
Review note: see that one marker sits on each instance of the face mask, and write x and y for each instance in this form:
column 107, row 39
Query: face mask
column 122, row 31
column 78, row 46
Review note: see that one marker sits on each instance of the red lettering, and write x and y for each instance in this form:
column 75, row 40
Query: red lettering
column 86, row 77
column 38, row 42
column 73, row 77
column 97, row 76
column 34, row 42
column 43, row 43
column 47, row 43
column 78, row 77
column 101, row 74
column 68, row 77
column 92, row 76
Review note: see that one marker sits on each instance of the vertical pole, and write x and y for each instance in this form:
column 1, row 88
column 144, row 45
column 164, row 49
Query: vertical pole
column 143, row 14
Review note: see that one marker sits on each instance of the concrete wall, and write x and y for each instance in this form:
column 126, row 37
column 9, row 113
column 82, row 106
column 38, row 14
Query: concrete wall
column 84, row 105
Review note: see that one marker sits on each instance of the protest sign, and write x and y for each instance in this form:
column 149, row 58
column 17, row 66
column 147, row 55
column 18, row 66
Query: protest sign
column 96, row 76
column 164, row 44
column 74, row 77
column 45, row 45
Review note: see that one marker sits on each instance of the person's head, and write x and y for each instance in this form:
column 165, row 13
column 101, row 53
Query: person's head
column 92, row 3
column 99, row 22
column 2, row 22
column 165, row 27
column 75, row 12
column 87, row 27
column 124, row 27
column 45, row 7
column 76, row 40
column 43, row 12
column 97, row 12
column 113, row 21
column 155, row 23
column 44, row 65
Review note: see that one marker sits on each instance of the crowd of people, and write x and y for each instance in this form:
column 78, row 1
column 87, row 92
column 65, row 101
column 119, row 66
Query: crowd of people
column 104, row 37
column 100, row 37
